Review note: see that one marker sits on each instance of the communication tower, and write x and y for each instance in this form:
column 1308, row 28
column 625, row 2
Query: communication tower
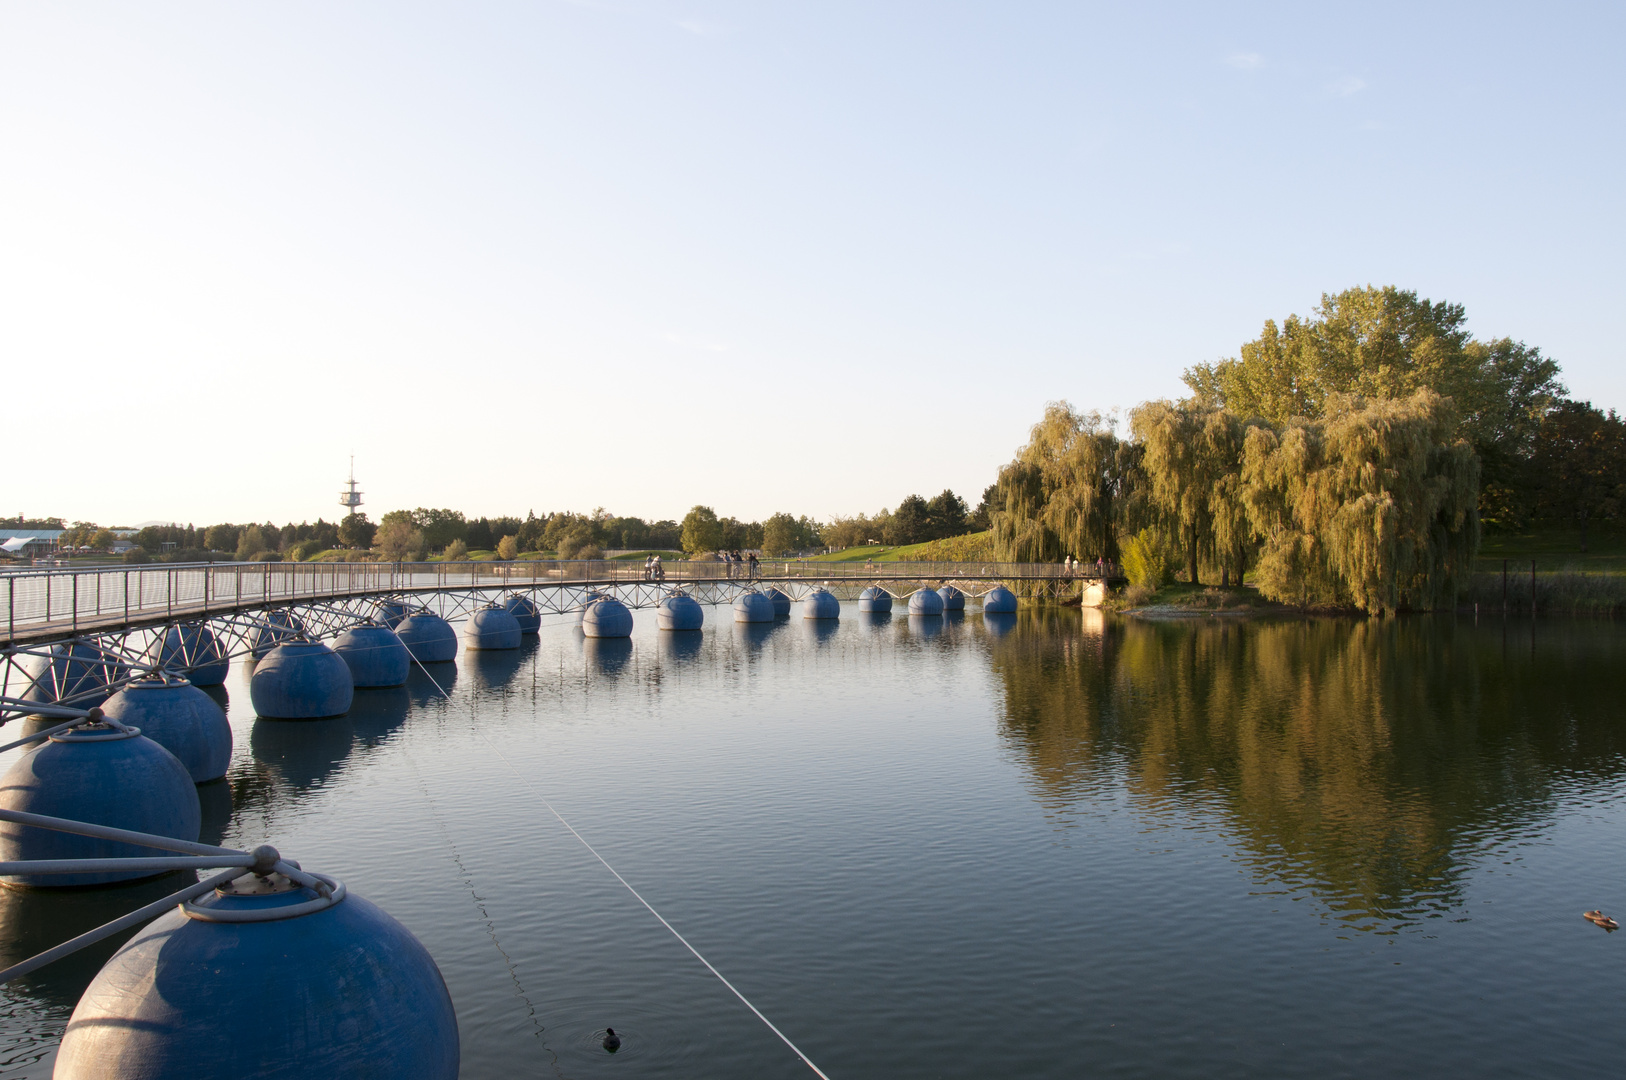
column 350, row 497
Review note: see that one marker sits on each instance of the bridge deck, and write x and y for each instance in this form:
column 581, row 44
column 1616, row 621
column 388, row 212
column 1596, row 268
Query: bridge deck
column 49, row 605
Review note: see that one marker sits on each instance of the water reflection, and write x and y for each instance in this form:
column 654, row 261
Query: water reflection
column 431, row 682
column 607, row 656
column 680, row 647
column 999, row 623
column 215, row 799
column 494, row 668
column 753, row 635
column 301, row 753
column 1364, row 761
column 925, row 626
column 222, row 698
column 377, row 712
column 874, row 621
column 820, row 631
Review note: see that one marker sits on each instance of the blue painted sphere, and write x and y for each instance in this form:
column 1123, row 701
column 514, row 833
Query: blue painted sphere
column 525, row 610
column 491, row 628
column 428, row 637
column 781, row 602
column 875, row 598
column 588, row 601
column 680, row 613
column 607, row 617
column 374, row 655
column 192, row 650
column 103, row 776
column 392, row 612
column 999, row 599
column 179, row 717
column 953, row 599
column 74, row 673
column 750, row 607
column 341, row 993
column 301, row 680
column 925, row 602
column 275, row 628
column 820, row 604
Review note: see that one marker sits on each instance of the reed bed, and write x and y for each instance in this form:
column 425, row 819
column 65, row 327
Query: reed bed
column 1557, row 592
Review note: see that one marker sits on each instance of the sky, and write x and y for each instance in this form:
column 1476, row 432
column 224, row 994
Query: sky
column 762, row 256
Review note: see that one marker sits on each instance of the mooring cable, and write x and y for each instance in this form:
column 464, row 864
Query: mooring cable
column 635, row 894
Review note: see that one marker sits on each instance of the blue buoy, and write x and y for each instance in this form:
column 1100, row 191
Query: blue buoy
column 781, row 602
column 679, row 612
column 192, row 650
column 275, row 628
column 925, row 602
column 875, row 599
column 336, row 990
column 752, row 607
column 428, row 637
column 491, row 627
column 374, row 655
column 953, row 599
column 179, row 717
column 104, row 775
column 999, row 600
column 525, row 610
column 820, row 604
column 607, row 617
column 301, row 680
column 393, row 612
column 73, row 673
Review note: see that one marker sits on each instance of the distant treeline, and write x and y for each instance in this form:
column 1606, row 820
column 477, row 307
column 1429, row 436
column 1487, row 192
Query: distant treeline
column 1347, row 459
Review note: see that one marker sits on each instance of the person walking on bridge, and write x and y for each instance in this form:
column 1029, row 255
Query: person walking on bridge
column 756, row 566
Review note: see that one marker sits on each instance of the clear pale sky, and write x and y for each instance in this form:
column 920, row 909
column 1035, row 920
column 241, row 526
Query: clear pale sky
column 765, row 256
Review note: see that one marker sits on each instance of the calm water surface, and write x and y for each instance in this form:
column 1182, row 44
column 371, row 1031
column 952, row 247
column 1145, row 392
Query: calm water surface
column 1057, row 845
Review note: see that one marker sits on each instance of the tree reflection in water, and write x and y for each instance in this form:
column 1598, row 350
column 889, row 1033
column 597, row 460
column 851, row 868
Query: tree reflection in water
column 1366, row 762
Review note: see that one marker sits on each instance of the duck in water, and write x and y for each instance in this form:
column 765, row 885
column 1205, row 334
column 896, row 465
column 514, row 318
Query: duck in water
column 1598, row 918
column 612, row 1041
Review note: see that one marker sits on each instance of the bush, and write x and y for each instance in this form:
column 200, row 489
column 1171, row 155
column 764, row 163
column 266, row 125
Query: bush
column 456, row 551
column 1145, row 561
column 578, row 544
column 264, row 556
column 136, row 556
column 507, row 548
column 303, row 550
column 1136, row 595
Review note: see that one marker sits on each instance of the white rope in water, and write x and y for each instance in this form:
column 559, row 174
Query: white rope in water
column 662, row 919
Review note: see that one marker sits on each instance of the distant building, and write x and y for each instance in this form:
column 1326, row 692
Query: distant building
column 30, row 542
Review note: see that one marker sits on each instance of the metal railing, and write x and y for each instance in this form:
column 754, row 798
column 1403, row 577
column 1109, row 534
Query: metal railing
column 72, row 599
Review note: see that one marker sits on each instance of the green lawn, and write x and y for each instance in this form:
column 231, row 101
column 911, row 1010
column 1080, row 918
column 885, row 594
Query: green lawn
column 878, row 552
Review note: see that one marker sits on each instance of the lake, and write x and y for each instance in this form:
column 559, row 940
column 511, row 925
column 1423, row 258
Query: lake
column 1054, row 845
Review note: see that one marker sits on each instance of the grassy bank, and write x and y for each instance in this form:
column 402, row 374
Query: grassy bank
column 973, row 547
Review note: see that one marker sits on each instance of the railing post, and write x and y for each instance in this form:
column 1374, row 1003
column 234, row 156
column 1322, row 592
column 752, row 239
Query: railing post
column 75, row 616
column 127, row 596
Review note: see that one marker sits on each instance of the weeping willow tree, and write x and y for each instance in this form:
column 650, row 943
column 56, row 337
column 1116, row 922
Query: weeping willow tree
column 1373, row 506
column 1061, row 495
column 1191, row 469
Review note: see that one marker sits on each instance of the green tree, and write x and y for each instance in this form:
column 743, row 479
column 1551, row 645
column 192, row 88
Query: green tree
column 701, row 531
column 356, row 532
column 250, row 543
column 221, row 538
column 456, row 551
column 102, row 539
column 910, row 522
column 1191, row 464
column 399, row 539
column 946, row 516
column 1374, row 506
column 440, row 527
column 1067, row 491
column 508, row 548
column 783, row 533
column 1579, row 464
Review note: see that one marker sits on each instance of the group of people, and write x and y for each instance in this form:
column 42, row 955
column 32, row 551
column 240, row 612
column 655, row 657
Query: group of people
column 653, row 570
column 739, row 565
column 1072, row 568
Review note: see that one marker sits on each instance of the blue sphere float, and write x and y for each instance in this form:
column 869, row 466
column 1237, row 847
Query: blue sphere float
column 301, row 680
column 593, row 597
column 491, row 627
column 374, row 655
column 607, row 618
column 429, row 638
column 394, row 612
column 875, row 599
column 193, row 651
column 680, row 612
column 953, row 599
column 925, row 602
column 330, row 987
column 179, row 717
column 753, row 607
column 999, row 600
column 781, row 602
column 102, row 774
column 277, row 627
column 72, row 673
column 524, row 609
column 821, row 604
